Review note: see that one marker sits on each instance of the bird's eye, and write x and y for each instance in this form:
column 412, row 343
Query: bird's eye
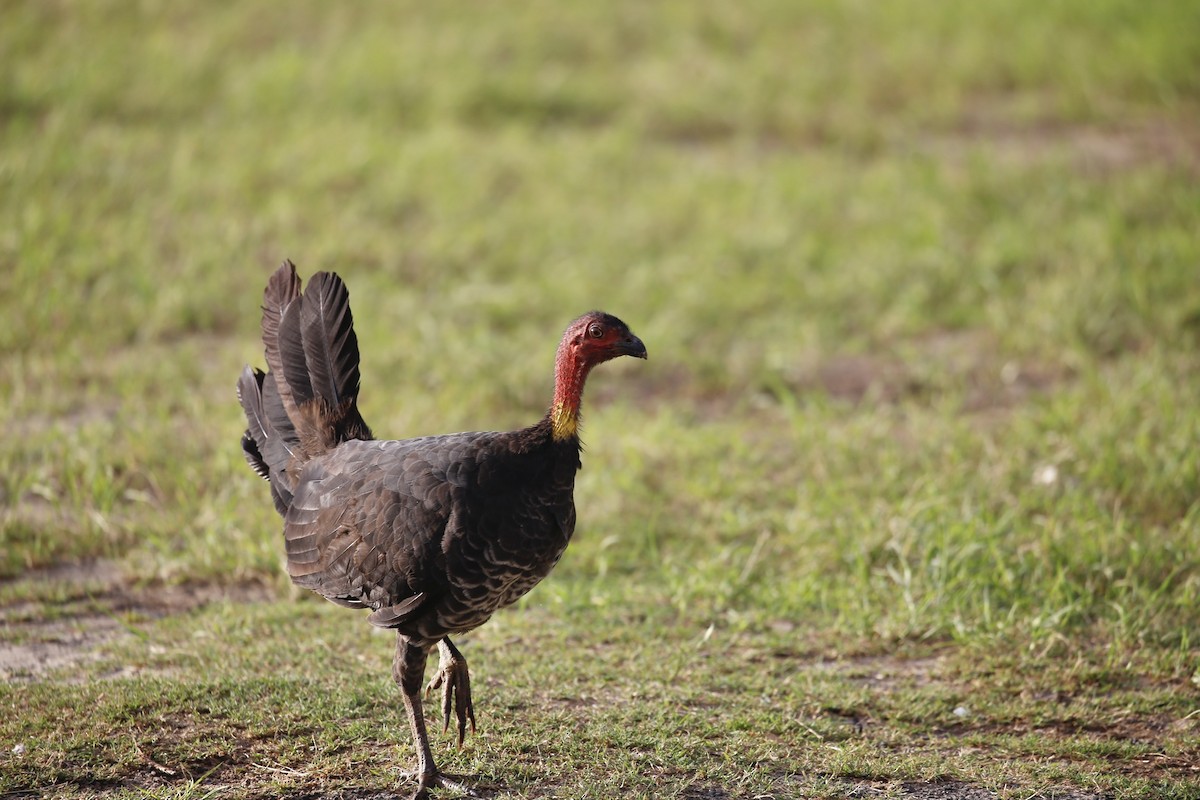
column 595, row 330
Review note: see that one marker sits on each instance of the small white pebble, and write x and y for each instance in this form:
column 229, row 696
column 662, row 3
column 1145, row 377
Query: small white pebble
column 962, row 711
column 18, row 749
column 1046, row 475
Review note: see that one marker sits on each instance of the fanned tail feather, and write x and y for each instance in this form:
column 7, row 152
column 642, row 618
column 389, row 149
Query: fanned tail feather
column 267, row 452
column 307, row 402
column 320, row 331
column 330, row 346
column 282, row 293
column 254, row 440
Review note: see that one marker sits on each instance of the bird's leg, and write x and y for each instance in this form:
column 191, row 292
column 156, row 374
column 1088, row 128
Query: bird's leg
column 408, row 669
column 454, row 679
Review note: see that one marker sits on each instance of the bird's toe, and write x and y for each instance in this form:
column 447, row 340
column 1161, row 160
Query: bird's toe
column 440, row 780
column 454, row 680
column 464, row 709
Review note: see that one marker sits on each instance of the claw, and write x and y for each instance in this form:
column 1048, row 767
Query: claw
column 454, row 679
column 437, row 780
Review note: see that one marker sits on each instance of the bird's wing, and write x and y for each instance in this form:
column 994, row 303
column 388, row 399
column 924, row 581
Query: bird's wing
column 366, row 525
column 398, row 614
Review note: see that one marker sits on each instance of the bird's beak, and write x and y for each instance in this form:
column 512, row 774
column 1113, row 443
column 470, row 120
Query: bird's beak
column 631, row 346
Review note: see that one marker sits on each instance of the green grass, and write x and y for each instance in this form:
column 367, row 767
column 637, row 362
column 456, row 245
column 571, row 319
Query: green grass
column 918, row 433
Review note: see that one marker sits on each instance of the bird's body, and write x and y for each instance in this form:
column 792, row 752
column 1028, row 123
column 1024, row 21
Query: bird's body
column 433, row 534
column 388, row 525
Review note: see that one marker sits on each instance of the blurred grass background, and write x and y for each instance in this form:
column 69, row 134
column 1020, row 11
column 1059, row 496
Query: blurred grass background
column 919, row 283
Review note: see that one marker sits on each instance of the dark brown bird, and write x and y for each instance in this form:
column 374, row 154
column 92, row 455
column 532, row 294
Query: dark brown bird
column 432, row 535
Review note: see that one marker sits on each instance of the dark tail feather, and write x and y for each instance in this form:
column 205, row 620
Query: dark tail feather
column 281, row 296
column 296, row 388
column 277, row 416
column 254, row 440
column 330, row 346
column 308, row 401
column 266, row 450
column 319, row 354
column 270, row 442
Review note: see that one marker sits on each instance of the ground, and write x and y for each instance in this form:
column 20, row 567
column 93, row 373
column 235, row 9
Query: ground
column 102, row 617
column 904, row 503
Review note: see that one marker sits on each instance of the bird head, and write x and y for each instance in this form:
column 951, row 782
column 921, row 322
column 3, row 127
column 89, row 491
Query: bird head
column 592, row 339
column 597, row 337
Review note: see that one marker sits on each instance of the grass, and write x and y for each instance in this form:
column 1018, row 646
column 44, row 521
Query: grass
column 904, row 501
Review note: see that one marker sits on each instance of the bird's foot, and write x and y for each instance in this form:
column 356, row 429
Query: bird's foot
column 453, row 678
column 438, row 780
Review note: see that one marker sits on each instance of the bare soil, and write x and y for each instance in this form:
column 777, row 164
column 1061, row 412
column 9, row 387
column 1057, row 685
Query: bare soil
column 1096, row 148
column 96, row 606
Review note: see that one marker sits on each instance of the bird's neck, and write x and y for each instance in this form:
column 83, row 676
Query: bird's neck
column 570, row 374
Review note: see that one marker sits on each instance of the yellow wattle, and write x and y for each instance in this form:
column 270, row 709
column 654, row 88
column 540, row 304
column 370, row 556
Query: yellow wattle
column 564, row 422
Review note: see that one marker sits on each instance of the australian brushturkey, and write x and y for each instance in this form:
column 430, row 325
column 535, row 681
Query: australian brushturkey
column 432, row 535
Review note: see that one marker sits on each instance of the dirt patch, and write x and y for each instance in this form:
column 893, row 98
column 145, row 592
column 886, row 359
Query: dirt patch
column 92, row 606
column 1153, row 731
column 992, row 129
column 73, row 419
column 966, row 364
column 939, row 790
column 60, row 645
column 886, row 672
column 1002, row 136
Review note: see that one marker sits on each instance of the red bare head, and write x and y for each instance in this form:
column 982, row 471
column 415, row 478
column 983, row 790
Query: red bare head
column 592, row 339
column 597, row 337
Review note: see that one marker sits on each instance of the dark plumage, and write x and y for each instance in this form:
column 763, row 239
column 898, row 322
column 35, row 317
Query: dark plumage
column 432, row 535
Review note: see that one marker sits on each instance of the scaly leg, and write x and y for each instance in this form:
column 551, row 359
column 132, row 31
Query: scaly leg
column 454, row 679
column 408, row 670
